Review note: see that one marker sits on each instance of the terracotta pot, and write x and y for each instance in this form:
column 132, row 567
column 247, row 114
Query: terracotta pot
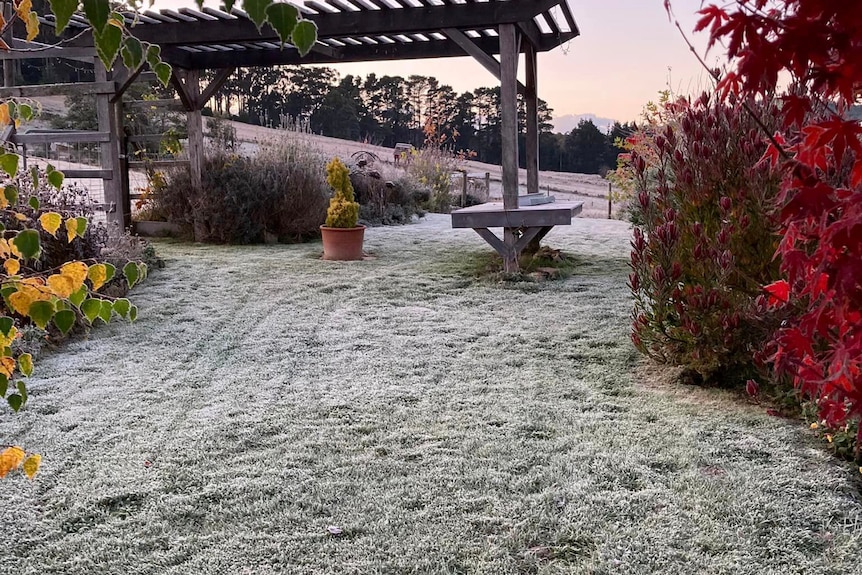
column 342, row 244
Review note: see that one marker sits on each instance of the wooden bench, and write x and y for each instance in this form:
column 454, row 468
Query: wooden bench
column 520, row 226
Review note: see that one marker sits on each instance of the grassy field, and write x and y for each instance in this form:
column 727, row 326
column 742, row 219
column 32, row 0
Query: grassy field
column 436, row 423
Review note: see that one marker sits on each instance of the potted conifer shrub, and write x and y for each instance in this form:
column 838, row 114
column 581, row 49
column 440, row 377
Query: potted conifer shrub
column 342, row 237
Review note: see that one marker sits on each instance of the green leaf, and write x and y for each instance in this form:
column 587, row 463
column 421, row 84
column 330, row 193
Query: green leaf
column 130, row 270
column 64, row 320
column 105, row 311
column 41, row 313
column 91, row 308
column 143, row 270
column 97, row 12
column 6, row 292
column 15, row 401
column 63, row 10
column 25, row 364
column 133, row 313
column 108, row 44
column 34, row 176
column 110, row 270
column 25, row 112
column 122, row 307
column 82, row 225
column 153, row 55
column 55, row 178
column 27, row 242
column 78, row 297
column 228, row 5
column 11, row 193
column 9, row 164
column 304, row 36
column 34, row 202
column 282, row 17
column 133, row 53
column 163, row 73
column 22, row 389
column 4, row 384
column 6, row 323
column 256, row 10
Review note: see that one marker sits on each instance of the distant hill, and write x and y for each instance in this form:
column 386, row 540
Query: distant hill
column 567, row 123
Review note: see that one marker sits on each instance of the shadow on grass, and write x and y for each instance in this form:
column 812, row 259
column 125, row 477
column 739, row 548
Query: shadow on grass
column 486, row 266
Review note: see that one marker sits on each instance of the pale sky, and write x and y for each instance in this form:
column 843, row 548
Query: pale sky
column 627, row 52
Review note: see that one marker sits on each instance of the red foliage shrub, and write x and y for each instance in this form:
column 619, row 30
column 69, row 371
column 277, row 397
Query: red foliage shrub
column 707, row 238
column 819, row 44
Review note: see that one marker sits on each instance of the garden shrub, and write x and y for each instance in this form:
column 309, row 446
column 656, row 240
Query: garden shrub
column 281, row 191
column 707, row 240
column 98, row 244
column 384, row 202
column 432, row 167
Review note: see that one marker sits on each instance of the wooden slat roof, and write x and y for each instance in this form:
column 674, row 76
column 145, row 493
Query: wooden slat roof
column 349, row 31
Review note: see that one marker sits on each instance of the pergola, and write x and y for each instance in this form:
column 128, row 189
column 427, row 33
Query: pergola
column 193, row 41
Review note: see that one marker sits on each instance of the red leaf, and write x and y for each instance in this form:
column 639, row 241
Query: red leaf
column 751, row 388
column 779, row 292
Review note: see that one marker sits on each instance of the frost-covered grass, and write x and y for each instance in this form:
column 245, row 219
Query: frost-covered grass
column 444, row 424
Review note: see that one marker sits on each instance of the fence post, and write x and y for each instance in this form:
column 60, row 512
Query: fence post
column 488, row 185
column 610, row 201
column 463, row 188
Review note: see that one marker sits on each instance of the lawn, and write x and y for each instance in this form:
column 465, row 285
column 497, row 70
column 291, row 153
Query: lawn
column 271, row 412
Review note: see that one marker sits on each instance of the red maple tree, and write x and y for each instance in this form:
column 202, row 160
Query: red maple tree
column 814, row 48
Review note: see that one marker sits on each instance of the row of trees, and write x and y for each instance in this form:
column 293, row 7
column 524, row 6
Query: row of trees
column 385, row 110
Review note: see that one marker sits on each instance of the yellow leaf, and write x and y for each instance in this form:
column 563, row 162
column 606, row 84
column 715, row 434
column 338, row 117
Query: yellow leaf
column 25, row 364
column 6, row 340
column 32, row 22
column 23, row 8
column 12, row 266
column 77, row 272
column 61, row 285
column 21, row 300
column 31, row 465
column 20, row 217
column 4, row 121
column 14, row 249
column 7, row 366
column 10, row 458
column 97, row 274
column 71, row 228
column 51, row 222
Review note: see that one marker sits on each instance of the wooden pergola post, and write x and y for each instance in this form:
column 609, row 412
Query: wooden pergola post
column 531, row 98
column 509, row 136
column 110, row 151
column 8, row 65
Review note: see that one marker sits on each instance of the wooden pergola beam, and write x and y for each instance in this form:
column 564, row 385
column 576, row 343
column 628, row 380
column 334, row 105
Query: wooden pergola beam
column 486, row 60
column 358, row 53
column 406, row 20
column 214, row 86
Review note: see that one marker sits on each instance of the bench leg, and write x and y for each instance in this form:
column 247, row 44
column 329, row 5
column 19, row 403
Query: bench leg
column 511, row 246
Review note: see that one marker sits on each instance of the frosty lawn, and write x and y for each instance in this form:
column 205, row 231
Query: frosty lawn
column 443, row 424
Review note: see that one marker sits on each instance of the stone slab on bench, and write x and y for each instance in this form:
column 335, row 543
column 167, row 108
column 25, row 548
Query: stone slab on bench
column 535, row 200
